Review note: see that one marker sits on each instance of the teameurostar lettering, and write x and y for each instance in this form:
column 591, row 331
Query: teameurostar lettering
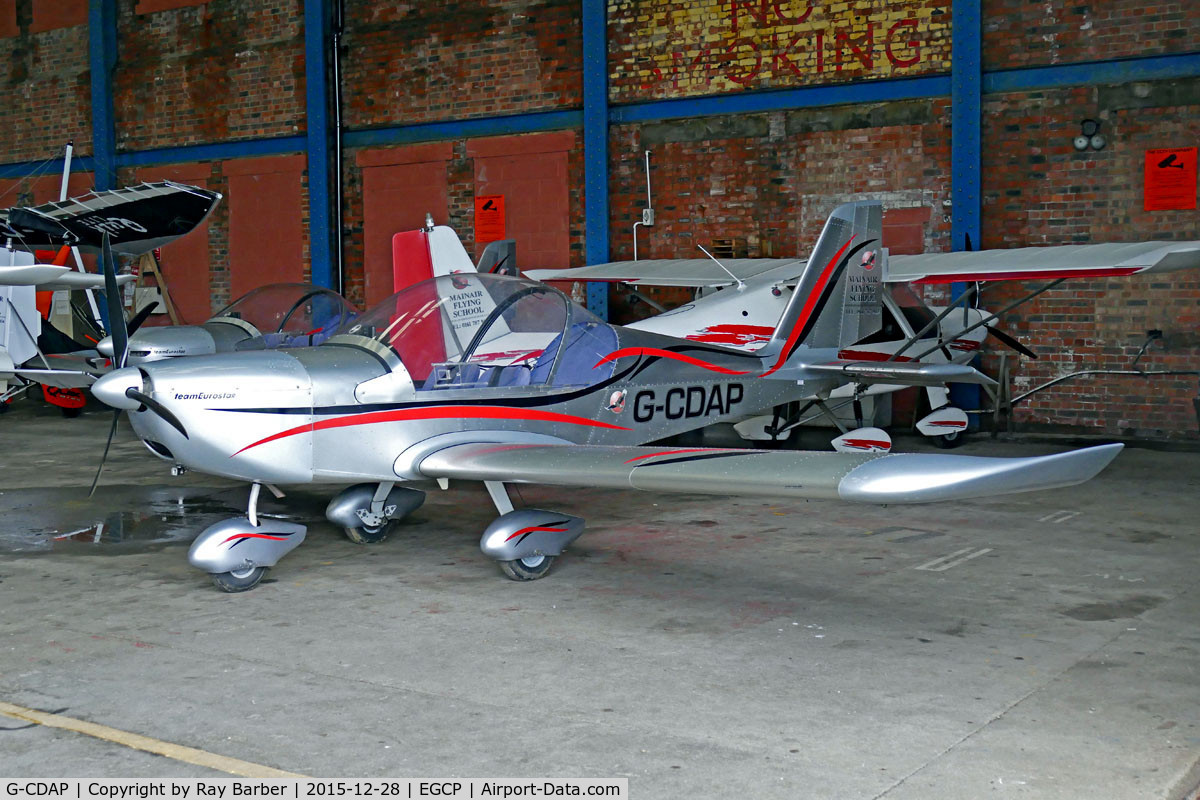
column 687, row 402
column 205, row 396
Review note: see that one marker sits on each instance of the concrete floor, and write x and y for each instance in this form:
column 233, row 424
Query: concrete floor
column 699, row 647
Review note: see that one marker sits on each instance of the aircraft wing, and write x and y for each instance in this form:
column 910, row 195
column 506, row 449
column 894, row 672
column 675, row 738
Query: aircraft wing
column 48, row 277
column 693, row 272
column 857, row 477
column 137, row 218
column 905, row 373
column 1044, row 263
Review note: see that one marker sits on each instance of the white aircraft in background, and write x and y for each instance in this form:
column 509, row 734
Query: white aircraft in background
column 883, row 320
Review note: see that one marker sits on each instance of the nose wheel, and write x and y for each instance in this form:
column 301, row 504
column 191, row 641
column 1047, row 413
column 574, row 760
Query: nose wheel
column 370, row 534
column 529, row 568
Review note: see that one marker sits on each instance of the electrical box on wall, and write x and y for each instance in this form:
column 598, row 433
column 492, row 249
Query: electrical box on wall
column 647, row 216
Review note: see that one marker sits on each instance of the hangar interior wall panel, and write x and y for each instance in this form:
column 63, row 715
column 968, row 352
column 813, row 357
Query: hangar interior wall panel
column 187, row 261
column 531, row 173
column 8, row 18
column 51, row 14
column 400, row 186
column 266, row 222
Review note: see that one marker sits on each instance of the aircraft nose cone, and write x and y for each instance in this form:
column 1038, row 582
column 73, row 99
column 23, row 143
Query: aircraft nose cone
column 110, row 389
column 105, row 346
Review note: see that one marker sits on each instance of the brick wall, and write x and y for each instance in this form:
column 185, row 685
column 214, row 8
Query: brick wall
column 1022, row 33
column 220, row 71
column 1038, row 190
column 47, row 85
column 417, row 62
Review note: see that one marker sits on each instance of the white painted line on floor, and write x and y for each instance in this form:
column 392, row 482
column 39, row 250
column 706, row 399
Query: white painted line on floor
column 189, row 755
column 953, row 560
column 1059, row 516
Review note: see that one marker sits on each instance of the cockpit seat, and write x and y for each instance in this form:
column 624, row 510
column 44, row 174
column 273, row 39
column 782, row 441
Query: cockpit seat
column 587, row 343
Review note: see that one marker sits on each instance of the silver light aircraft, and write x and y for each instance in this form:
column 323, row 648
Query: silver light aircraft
column 503, row 380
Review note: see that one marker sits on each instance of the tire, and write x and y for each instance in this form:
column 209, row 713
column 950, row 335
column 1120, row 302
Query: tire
column 365, row 534
column 529, row 568
column 238, row 581
column 950, row 440
column 70, row 413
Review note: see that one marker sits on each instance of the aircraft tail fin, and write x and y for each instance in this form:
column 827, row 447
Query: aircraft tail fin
column 836, row 300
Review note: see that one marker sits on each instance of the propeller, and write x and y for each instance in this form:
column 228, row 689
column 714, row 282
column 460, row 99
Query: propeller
column 1011, row 341
column 120, row 338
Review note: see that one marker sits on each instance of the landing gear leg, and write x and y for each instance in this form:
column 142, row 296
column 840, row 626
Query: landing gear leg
column 368, row 513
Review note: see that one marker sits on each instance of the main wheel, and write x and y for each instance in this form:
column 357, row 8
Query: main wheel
column 950, row 440
column 238, row 580
column 529, row 568
column 70, row 413
column 371, row 534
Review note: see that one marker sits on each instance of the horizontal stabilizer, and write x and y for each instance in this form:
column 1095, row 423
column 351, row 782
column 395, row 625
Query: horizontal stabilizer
column 907, row 373
column 865, row 478
column 60, row 378
column 47, row 277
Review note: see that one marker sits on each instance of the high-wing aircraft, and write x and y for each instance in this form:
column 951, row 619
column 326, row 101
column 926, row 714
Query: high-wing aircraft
column 504, row 380
column 884, row 319
column 134, row 219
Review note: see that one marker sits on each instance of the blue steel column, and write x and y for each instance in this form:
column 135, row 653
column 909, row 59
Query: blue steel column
column 966, row 88
column 595, row 145
column 965, row 115
column 102, row 57
column 320, row 233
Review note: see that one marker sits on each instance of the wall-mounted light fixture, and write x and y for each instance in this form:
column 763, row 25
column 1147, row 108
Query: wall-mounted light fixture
column 1090, row 136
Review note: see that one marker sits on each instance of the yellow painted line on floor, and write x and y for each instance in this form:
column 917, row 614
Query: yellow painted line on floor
column 189, row 755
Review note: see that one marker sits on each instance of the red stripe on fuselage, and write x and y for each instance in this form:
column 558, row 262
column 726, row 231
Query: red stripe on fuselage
column 869, row 355
column 810, row 303
column 435, row 412
column 625, row 352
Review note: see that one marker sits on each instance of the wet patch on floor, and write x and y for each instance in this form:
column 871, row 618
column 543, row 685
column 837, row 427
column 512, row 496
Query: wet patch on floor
column 121, row 518
column 1131, row 606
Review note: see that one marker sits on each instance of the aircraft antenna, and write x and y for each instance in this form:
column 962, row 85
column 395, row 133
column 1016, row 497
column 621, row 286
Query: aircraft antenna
column 740, row 283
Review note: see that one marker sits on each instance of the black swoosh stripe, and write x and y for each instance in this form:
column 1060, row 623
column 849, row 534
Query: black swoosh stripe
column 704, row 457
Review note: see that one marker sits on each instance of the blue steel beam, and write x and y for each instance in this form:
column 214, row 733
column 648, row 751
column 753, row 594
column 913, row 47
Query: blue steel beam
column 320, row 227
column 534, row 122
column 595, row 145
column 1123, row 70
column 222, row 151
column 783, row 99
column 102, row 57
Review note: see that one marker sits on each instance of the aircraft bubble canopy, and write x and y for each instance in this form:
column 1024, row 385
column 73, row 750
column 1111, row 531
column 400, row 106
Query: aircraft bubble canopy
column 295, row 309
column 470, row 330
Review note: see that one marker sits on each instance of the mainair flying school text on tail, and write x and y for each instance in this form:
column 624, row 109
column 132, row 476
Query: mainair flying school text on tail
column 532, row 388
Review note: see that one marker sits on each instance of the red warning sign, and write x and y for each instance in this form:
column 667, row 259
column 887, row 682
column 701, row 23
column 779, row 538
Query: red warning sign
column 489, row 218
column 1170, row 179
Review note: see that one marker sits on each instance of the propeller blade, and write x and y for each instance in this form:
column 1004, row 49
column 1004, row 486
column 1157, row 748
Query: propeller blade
column 139, row 318
column 1011, row 342
column 108, row 444
column 158, row 408
column 116, row 316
